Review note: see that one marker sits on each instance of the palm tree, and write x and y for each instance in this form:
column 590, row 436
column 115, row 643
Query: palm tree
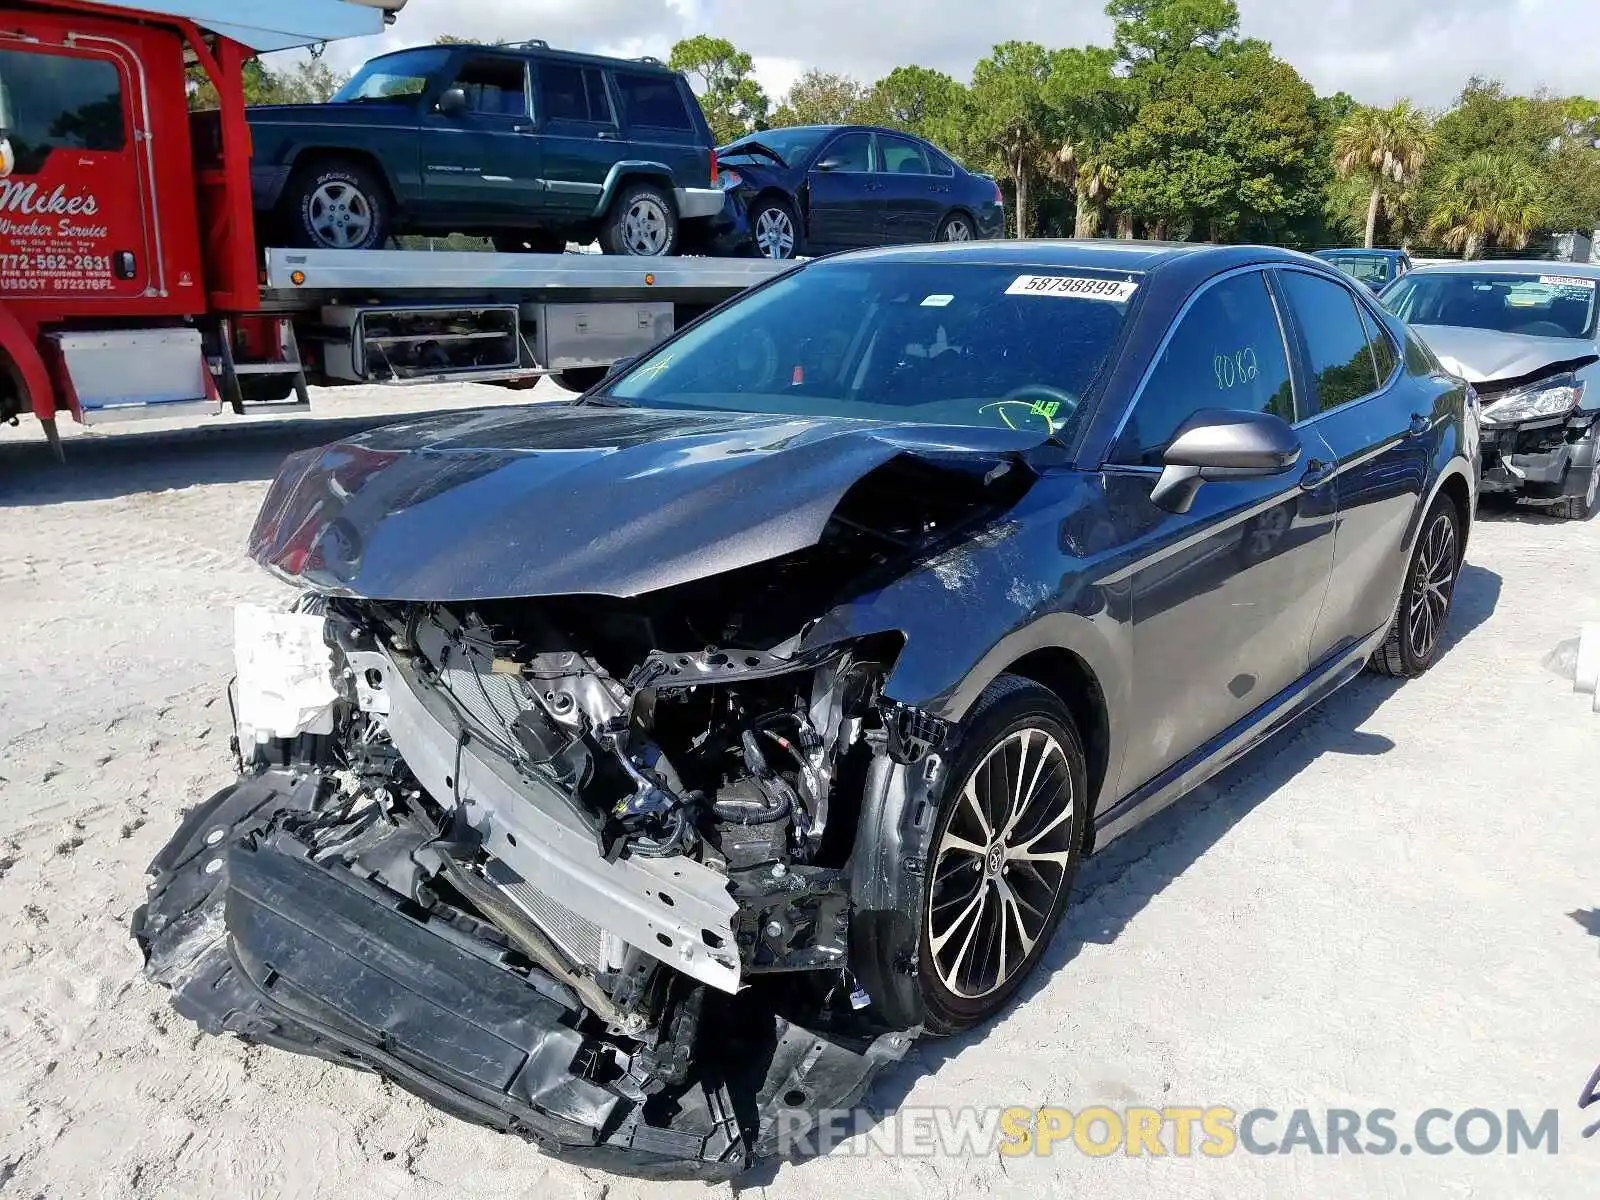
column 1382, row 144
column 1487, row 197
column 1092, row 178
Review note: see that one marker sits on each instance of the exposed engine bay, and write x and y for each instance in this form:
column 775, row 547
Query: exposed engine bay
column 636, row 871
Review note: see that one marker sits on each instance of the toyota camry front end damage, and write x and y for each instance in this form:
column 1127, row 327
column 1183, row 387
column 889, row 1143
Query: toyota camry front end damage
column 611, row 846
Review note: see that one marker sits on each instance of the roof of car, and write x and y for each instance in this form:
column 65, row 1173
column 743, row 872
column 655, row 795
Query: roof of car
column 535, row 48
column 1513, row 266
column 1107, row 254
column 1352, row 251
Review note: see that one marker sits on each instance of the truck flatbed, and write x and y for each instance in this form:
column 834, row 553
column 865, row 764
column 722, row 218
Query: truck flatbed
column 294, row 279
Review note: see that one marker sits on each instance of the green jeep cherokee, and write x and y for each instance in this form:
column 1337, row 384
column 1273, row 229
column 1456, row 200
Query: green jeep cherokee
column 529, row 146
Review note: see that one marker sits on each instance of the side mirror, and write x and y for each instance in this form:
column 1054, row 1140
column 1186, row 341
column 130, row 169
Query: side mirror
column 1220, row 444
column 621, row 365
column 454, row 102
column 832, row 163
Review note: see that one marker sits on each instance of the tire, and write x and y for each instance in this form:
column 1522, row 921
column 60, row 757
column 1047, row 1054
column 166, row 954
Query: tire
column 775, row 229
column 642, row 222
column 580, row 379
column 958, row 227
column 1578, row 508
column 1424, row 608
column 338, row 204
column 530, row 241
column 966, row 974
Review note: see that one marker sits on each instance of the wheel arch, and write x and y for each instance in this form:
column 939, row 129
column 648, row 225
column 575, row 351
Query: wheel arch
column 310, row 156
column 24, row 368
column 960, row 210
column 634, row 171
column 1072, row 681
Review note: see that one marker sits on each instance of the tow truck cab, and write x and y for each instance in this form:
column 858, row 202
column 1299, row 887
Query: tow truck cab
column 131, row 283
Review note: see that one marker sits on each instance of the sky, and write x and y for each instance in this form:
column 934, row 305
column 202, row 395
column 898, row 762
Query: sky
column 1377, row 50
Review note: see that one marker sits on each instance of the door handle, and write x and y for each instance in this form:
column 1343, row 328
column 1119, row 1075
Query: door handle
column 1317, row 474
column 1420, row 424
column 607, row 134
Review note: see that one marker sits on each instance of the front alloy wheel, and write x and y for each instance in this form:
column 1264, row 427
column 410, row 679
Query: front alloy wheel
column 1004, row 853
column 775, row 232
column 1419, row 621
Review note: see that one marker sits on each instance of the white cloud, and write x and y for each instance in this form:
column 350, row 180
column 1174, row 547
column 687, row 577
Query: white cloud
column 1375, row 49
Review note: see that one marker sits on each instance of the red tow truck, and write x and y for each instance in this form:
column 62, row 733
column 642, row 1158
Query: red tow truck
column 131, row 281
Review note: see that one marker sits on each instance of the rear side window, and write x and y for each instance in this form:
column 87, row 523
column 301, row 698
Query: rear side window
column 654, row 101
column 54, row 102
column 901, row 156
column 1337, row 353
column 1227, row 352
column 1383, row 347
column 570, row 93
column 940, row 164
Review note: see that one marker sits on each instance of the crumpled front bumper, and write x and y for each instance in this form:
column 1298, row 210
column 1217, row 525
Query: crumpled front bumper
column 261, row 942
column 1538, row 459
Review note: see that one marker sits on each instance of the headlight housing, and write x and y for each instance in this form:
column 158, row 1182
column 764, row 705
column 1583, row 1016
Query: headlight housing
column 1553, row 397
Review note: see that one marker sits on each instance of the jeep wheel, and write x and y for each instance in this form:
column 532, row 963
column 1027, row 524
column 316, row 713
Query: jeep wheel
column 338, row 205
column 642, row 222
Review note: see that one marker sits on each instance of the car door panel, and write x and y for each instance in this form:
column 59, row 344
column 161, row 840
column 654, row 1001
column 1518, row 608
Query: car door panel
column 1381, row 451
column 1223, row 599
column 582, row 140
column 841, row 211
column 911, row 200
column 482, row 166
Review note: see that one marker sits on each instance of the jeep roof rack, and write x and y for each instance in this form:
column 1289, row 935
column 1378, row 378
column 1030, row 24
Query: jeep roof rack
column 532, row 44
column 650, row 58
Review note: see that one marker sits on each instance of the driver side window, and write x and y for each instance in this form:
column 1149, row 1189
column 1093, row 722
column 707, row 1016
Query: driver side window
column 1227, row 352
column 853, row 152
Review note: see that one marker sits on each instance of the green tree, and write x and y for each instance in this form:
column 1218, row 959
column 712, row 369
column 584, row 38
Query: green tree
column 823, row 98
column 1488, row 199
column 1009, row 120
column 1382, row 146
column 733, row 100
column 1225, row 148
column 309, row 82
column 919, row 100
column 1153, row 37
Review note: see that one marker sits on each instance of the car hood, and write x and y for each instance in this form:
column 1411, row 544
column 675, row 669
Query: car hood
column 1482, row 355
column 577, row 499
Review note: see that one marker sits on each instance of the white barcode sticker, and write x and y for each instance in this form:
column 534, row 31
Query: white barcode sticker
column 1073, row 287
column 1569, row 281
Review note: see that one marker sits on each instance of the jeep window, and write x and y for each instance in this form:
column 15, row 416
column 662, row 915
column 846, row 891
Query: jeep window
column 394, row 76
column 568, row 93
column 58, row 102
column 495, row 86
column 654, row 101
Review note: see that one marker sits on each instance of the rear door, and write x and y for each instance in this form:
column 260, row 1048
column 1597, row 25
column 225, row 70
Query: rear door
column 844, row 197
column 75, row 185
column 912, row 198
column 582, row 138
column 483, row 166
column 1379, row 425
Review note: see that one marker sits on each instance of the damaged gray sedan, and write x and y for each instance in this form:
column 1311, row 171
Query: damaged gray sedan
column 641, row 775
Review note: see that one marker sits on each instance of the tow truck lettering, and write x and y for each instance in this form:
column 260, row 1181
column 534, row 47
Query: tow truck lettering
column 26, row 198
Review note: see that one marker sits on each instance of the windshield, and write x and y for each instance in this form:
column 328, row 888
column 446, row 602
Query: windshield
column 1367, row 268
column 955, row 344
column 394, row 76
column 1552, row 305
column 792, row 144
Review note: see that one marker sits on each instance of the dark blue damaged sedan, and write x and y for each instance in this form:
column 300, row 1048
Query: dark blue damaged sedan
column 660, row 765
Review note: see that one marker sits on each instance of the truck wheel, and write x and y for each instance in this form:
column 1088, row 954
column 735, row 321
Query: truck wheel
column 642, row 222
column 580, row 379
column 338, row 205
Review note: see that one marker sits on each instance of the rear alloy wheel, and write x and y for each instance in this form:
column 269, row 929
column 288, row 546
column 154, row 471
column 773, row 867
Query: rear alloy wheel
column 642, row 222
column 1005, row 850
column 775, row 229
column 956, row 228
column 1419, row 621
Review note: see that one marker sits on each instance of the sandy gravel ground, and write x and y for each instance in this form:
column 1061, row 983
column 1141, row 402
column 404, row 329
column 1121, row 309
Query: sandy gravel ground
column 1375, row 911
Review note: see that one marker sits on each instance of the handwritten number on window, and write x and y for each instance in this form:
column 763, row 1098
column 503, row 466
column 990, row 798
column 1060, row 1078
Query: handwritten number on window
column 1236, row 368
